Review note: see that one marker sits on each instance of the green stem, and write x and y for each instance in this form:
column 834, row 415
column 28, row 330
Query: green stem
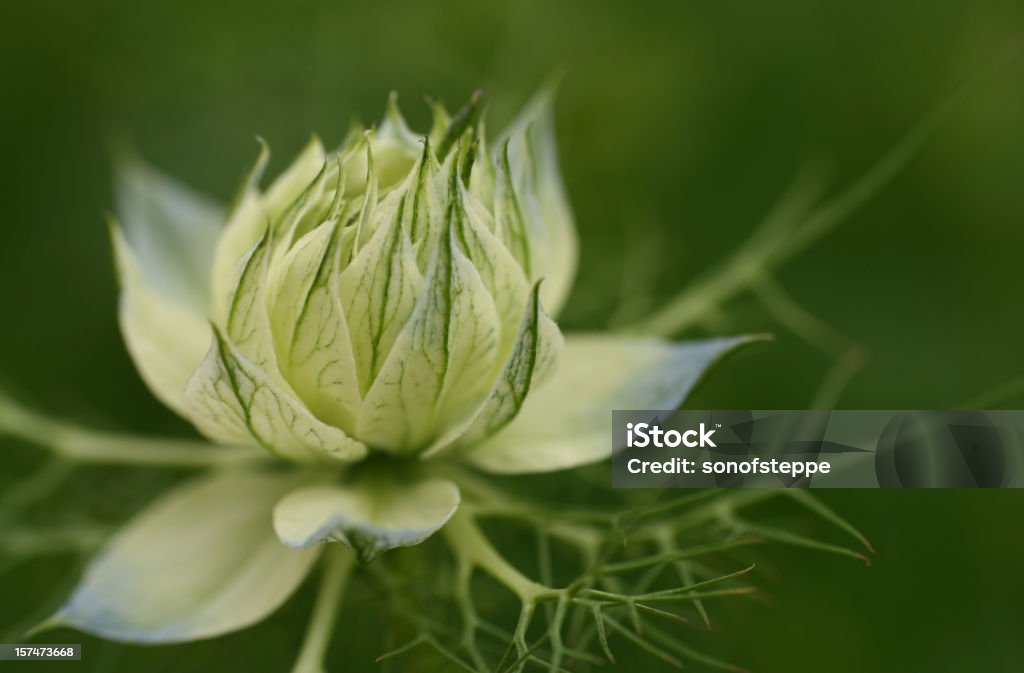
column 82, row 445
column 30, row 542
column 338, row 564
column 48, row 479
column 470, row 546
column 792, row 228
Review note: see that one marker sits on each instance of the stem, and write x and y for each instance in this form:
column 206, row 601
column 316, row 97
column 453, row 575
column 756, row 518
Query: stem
column 792, row 228
column 82, row 445
column 46, row 480
column 338, row 564
column 30, row 542
column 469, row 545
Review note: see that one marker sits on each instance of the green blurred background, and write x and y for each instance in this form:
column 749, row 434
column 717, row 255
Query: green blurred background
column 678, row 120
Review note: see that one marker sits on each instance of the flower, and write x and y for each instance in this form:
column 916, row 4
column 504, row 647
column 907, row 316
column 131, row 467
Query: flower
column 373, row 313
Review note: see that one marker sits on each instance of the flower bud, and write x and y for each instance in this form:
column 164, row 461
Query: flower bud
column 386, row 296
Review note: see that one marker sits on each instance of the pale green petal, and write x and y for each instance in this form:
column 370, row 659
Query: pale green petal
column 510, row 226
column 442, row 364
column 254, row 213
column 166, row 340
column 310, row 329
column 199, row 562
column 231, row 400
column 321, row 201
column 533, row 157
column 171, row 229
column 394, row 126
column 288, row 186
column 371, row 514
column 441, row 120
column 568, row 421
column 248, row 325
column 394, row 153
column 482, row 178
column 379, row 288
column 501, row 272
column 533, row 360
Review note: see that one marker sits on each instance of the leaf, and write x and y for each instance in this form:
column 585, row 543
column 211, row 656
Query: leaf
column 371, row 514
column 231, row 400
column 165, row 339
column 568, row 421
column 200, row 561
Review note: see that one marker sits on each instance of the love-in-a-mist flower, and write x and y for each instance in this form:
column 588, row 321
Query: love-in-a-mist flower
column 374, row 314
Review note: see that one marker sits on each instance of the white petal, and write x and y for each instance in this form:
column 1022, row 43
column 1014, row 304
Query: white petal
column 567, row 422
column 372, row 514
column 199, row 562
column 537, row 179
column 165, row 339
column 172, row 231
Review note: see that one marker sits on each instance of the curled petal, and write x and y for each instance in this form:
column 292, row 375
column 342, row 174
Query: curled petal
column 371, row 514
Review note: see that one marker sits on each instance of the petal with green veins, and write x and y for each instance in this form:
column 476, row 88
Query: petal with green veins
column 534, row 358
column 252, row 214
column 501, row 273
column 233, row 401
column 200, row 561
column 371, row 514
column 508, row 215
column 166, row 340
column 567, row 422
column 290, row 185
column 380, row 287
column 248, row 326
column 433, row 373
column 311, row 331
column 533, row 158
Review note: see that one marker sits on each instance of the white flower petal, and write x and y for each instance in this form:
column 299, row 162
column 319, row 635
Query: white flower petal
column 171, row 229
column 165, row 339
column 544, row 206
column 372, row 514
column 567, row 422
column 199, row 562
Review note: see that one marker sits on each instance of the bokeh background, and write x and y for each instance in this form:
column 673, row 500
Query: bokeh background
column 680, row 121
